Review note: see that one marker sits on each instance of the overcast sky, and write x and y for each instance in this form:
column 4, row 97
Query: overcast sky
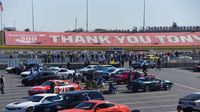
column 59, row 15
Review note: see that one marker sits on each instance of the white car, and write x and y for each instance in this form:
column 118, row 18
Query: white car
column 183, row 59
column 65, row 73
column 190, row 102
column 87, row 68
column 28, row 105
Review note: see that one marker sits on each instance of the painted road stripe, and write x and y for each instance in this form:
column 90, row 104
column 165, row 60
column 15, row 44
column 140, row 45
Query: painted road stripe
column 151, row 101
column 140, row 93
column 144, row 97
column 161, row 106
column 188, row 87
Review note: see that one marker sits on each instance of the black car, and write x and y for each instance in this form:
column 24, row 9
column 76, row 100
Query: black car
column 17, row 70
column 149, row 83
column 68, row 100
column 139, row 63
column 39, row 77
column 190, row 103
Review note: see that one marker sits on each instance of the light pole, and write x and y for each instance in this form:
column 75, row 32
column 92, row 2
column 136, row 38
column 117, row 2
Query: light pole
column 32, row 15
column 86, row 15
column 76, row 23
column 144, row 13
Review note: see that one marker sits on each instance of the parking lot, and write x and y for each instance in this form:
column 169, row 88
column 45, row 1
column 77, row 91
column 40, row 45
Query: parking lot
column 185, row 82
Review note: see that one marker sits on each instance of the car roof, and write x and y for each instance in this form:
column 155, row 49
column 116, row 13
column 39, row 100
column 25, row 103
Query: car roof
column 59, row 80
column 196, row 93
column 98, row 101
column 45, row 94
column 79, row 91
column 106, row 65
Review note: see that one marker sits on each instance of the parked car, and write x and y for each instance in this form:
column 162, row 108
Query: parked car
column 60, row 86
column 86, row 69
column 68, row 100
column 184, row 59
column 28, row 105
column 65, row 73
column 27, row 73
column 197, row 67
column 122, row 77
column 151, row 57
column 106, row 72
column 39, row 78
column 139, row 63
column 98, row 106
column 149, row 83
column 190, row 102
column 27, row 66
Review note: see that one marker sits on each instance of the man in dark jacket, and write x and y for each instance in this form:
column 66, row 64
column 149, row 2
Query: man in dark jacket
column 2, row 84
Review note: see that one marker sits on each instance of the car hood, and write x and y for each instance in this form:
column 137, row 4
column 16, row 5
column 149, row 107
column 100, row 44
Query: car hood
column 22, row 104
column 74, row 110
column 9, row 68
column 26, row 72
column 40, row 88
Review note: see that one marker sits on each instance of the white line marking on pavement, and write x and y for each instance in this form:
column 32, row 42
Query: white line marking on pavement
column 151, row 101
column 188, row 87
column 144, row 97
column 185, row 71
column 161, row 106
column 140, row 93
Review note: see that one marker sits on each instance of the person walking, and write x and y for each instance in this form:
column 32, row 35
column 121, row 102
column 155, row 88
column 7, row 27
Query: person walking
column 52, row 88
column 159, row 64
column 2, row 84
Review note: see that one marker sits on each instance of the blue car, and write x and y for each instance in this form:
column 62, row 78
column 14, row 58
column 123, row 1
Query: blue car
column 139, row 63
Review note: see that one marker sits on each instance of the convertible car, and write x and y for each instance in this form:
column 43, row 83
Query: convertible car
column 149, row 83
column 60, row 86
column 98, row 106
column 28, row 105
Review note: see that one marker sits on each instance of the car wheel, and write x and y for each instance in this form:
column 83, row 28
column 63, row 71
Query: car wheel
column 30, row 109
column 71, row 89
column 168, row 87
column 118, row 82
column 187, row 110
column 70, row 76
column 134, row 90
column 147, row 88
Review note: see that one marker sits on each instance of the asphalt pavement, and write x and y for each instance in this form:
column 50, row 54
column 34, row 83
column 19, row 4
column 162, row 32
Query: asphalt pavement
column 185, row 82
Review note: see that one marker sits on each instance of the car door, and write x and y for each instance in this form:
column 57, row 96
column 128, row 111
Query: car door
column 103, row 107
column 75, row 100
column 155, row 83
column 63, row 73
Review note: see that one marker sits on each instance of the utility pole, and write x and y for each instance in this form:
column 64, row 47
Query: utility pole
column 75, row 23
column 86, row 15
column 32, row 16
column 144, row 14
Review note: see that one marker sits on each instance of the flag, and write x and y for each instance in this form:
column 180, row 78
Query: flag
column 1, row 7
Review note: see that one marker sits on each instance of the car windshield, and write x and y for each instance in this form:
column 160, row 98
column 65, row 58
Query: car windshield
column 57, row 98
column 110, row 70
column 35, row 98
column 192, row 97
column 85, row 105
column 47, row 83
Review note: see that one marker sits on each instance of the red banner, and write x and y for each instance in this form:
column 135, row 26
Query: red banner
column 102, row 39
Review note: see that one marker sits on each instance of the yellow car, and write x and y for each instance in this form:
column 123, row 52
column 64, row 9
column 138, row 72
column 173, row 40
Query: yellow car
column 151, row 57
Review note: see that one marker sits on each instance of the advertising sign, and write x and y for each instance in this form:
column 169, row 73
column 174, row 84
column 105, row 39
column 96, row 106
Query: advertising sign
column 102, row 39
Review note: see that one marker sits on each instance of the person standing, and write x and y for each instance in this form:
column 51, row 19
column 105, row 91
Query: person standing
column 2, row 84
column 159, row 64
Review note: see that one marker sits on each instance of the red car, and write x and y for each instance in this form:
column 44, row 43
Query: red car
column 123, row 77
column 60, row 86
column 98, row 106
